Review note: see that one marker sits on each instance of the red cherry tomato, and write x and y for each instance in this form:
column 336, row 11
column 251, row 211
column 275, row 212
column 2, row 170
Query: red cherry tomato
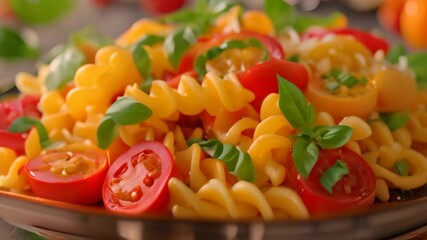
column 373, row 43
column 261, row 78
column 13, row 108
column 13, row 141
column 67, row 176
column 354, row 190
column 203, row 44
column 162, row 6
column 137, row 182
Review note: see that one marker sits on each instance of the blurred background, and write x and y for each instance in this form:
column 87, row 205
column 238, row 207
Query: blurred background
column 30, row 28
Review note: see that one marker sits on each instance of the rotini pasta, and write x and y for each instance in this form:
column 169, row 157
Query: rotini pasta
column 254, row 137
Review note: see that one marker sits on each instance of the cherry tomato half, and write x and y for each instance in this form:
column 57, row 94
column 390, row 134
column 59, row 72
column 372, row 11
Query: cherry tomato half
column 354, row 190
column 372, row 42
column 161, row 6
column 137, row 182
column 203, row 44
column 13, row 141
column 261, row 78
column 12, row 108
column 68, row 176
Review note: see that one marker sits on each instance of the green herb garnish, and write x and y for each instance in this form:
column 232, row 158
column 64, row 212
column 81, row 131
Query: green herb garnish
column 177, row 43
column 395, row 52
column 24, row 124
column 64, row 67
column 336, row 78
column 236, row 161
column 301, row 116
column 125, row 111
column 142, row 60
column 402, row 167
column 333, row 175
column 395, row 120
column 200, row 62
column 40, row 11
column 13, row 46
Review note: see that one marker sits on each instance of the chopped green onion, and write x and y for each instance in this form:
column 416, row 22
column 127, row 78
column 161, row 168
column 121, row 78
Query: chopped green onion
column 333, row 175
column 337, row 78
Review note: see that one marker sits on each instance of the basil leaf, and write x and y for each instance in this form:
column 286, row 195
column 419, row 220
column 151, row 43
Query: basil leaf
column 418, row 62
column 294, row 106
column 177, row 43
column 329, row 137
column 24, row 124
column 107, row 131
column 236, row 161
column 304, row 154
column 200, row 62
column 395, row 120
column 40, row 11
column 13, row 46
column 128, row 111
column 302, row 23
column 64, row 67
column 395, row 53
column 142, row 59
column 281, row 14
column 402, row 167
column 333, row 175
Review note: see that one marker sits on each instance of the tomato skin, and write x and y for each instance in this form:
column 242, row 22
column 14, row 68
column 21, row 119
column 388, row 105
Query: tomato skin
column 162, row 6
column 10, row 109
column 76, row 188
column 389, row 14
column 318, row 200
column 261, row 78
column 412, row 20
column 13, row 141
column 373, row 43
column 149, row 197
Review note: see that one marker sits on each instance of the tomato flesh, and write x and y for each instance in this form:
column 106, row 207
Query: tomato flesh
column 355, row 190
column 73, row 177
column 137, row 182
column 13, row 141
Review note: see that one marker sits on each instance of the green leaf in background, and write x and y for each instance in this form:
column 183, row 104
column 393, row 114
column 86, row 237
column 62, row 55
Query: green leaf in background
column 395, row 52
column 177, row 43
column 107, row 131
column 23, row 124
column 294, row 106
column 303, row 22
column 395, row 120
column 64, row 67
column 304, row 153
column 281, row 13
column 330, row 137
column 333, row 174
column 128, row 111
column 13, row 46
column 402, row 167
column 40, row 11
column 418, row 62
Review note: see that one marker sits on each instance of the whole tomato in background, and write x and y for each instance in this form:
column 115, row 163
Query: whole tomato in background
column 407, row 18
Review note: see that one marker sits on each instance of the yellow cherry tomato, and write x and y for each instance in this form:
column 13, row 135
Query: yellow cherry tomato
column 413, row 20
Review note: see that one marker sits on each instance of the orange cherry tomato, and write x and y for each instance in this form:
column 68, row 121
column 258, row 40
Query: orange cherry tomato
column 360, row 101
column 389, row 14
column 412, row 22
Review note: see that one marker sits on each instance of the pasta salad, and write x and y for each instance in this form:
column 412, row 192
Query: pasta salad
column 220, row 112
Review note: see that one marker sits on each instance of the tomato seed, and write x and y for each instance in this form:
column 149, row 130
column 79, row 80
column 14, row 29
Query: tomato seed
column 148, row 181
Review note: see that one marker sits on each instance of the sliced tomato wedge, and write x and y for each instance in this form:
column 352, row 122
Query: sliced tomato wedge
column 137, row 182
column 354, row 190
column 261, row 78
column 68, row 176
